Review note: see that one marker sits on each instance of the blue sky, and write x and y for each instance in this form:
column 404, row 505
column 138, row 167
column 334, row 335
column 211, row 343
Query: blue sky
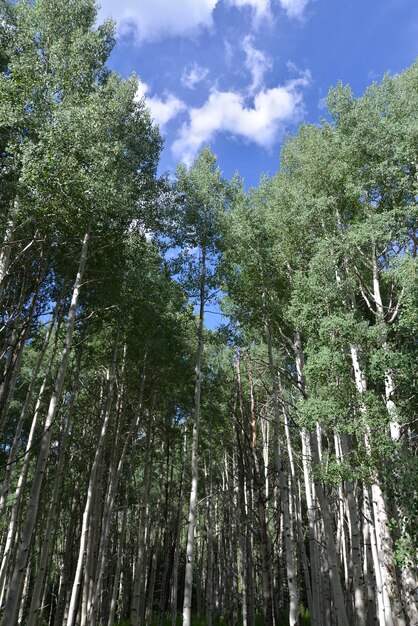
column 239, row 74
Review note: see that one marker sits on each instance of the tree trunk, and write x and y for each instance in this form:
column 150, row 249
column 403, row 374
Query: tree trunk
column 115, row 472
column 355, row 560
column 332, row 557
column 209, row 515
column 137, row 608
column 24, row 413
column 176, row 559
column 36, row 604
column 265, row 542
column 115, row 590
column 384, row 543
column 72, row 611
column 6, row 250
column 23, row 552
column 188, row 579
column 284, row 493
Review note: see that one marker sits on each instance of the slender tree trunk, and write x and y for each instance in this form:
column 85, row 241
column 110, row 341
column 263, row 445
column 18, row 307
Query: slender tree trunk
column 72, row 612
column 341, row 537
column 296, row 506
column 14, row 514
column 67, row 564
column 239, row 510
column 36, row 605
column 115, row 590
column 408, row 576
column 316, row 617
column 91, row 545
column 197, row 575
column 395, row 428
column 368, row 570
column 209, row 514
column 265, row 543
column 332, row 557
column 284, row 494
column 176, row 558
column 115, row 472
column 23, row 415
column 355, row 561
column 6, row 250
column 384, row 543
column 24, row 596
column 151, row 585
column 188, row 579
column 137, row 607
column 22, row 330
column 23, row 552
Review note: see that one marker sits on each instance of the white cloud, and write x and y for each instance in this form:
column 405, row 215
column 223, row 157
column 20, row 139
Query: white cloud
column 256, row 62
column 226, row 111
column 150, row 20
column 322, row 104
column 162, row 111
column 194, row 75
column 261, row 8
column 294, row 8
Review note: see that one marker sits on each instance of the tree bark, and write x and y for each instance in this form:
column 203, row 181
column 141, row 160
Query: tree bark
column 312, row 441
column 188, row 579
column 380, row 523
column 284, row 493
column 23, row 552
column 36, row 600
column 72, row 612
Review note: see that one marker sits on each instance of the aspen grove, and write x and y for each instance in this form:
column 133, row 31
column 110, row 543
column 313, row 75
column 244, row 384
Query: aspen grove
column 155, row 472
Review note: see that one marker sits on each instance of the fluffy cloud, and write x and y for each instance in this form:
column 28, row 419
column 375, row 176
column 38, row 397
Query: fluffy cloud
column 262, row 8
column 150, row 20
column 257, row 62
column 294, row 8
column 162, row 111
column 193, row 75
column 227, row 111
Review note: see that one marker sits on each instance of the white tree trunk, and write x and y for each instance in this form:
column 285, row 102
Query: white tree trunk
column 312, row 441
column 137, row 608
column 36, row 600
column 284, row 493
column 5, row 252
column 115, row 590
column 176, row 558
column 394, row 614
column 115, row 472
column 73, row 608
column 23, row 552
column 188, row 578
column 22, row 418
column 295, row 499
column 355, row 564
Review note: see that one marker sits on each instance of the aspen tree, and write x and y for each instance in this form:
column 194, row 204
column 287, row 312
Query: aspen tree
column 22, row 556
column 201, row 196
column 284, row 494
column 36, row 603
column 110, row 378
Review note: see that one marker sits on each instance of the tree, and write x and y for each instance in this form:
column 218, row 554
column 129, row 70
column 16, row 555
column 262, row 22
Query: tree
column 201, row 198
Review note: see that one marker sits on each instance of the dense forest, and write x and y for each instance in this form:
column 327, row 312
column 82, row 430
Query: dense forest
column 153, row 471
